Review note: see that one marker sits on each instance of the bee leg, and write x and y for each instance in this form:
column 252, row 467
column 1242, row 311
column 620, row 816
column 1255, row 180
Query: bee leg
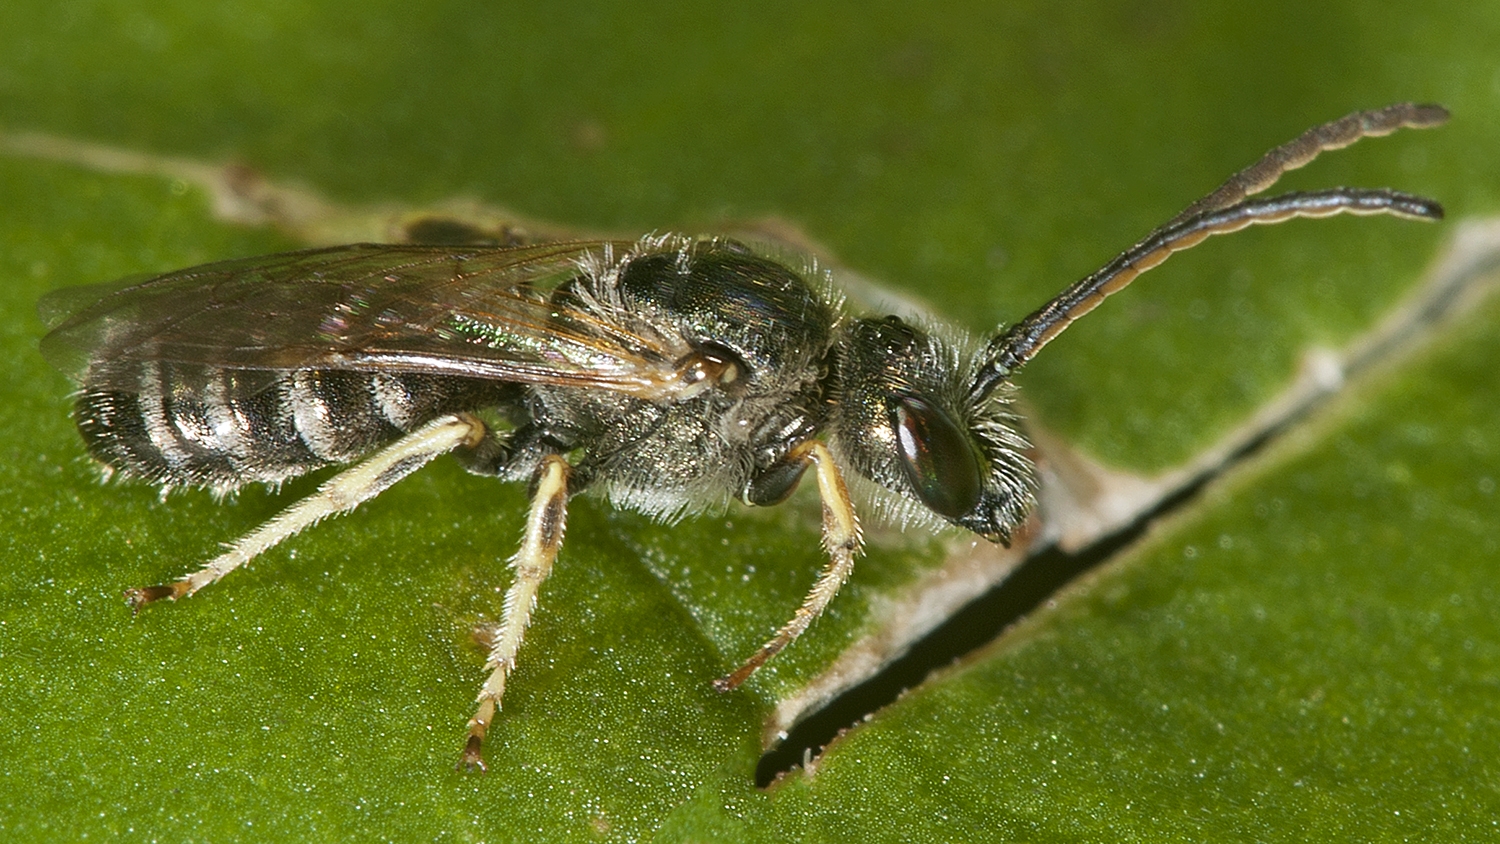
column 533, row 562
column 340, row 494
column 841, row 540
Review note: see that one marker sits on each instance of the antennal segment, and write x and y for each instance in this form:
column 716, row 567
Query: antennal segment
column 1301, row 150
column 1227, row 209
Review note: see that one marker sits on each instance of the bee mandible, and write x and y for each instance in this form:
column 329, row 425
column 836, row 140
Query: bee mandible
column 669, row 375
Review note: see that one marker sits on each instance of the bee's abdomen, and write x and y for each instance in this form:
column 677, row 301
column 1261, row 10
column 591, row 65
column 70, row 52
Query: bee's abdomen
column 223, row 428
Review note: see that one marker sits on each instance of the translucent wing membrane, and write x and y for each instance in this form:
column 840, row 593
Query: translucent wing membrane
column 483, row 312
column 170, row 368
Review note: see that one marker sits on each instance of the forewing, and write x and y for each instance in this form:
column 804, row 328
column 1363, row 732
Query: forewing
column 480, row 312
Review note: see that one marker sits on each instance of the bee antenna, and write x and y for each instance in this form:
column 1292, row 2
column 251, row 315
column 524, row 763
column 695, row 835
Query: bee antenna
column 1228, row 208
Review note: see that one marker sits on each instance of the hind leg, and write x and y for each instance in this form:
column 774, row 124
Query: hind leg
column 337, row 496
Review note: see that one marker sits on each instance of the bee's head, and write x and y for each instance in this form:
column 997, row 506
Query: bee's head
column 910, row 419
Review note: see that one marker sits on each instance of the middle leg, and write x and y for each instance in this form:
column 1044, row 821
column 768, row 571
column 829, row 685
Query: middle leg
column 533, row 562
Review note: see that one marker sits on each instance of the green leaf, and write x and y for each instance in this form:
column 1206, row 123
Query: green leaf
column 1308, row 650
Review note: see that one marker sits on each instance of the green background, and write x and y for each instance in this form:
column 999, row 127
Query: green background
column 1309, row 650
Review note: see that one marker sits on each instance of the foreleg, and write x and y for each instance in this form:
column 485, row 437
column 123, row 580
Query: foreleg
column 841, row 540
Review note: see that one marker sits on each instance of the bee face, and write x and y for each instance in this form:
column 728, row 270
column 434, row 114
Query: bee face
column 909, row 421
column 670, row 373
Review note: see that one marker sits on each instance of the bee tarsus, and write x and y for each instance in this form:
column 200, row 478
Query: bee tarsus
column 841, row 539
column 670, row 375
column 338, row 495
column 545, row 524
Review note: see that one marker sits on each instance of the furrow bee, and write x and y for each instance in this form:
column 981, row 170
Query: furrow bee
column 669, row 374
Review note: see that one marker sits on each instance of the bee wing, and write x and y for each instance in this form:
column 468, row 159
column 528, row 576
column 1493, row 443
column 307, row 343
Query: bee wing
column 483, row 312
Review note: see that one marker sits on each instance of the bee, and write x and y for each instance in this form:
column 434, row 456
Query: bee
column 669, row 375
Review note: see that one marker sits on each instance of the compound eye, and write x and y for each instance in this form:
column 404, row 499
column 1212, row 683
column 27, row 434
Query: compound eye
column 938, row 457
